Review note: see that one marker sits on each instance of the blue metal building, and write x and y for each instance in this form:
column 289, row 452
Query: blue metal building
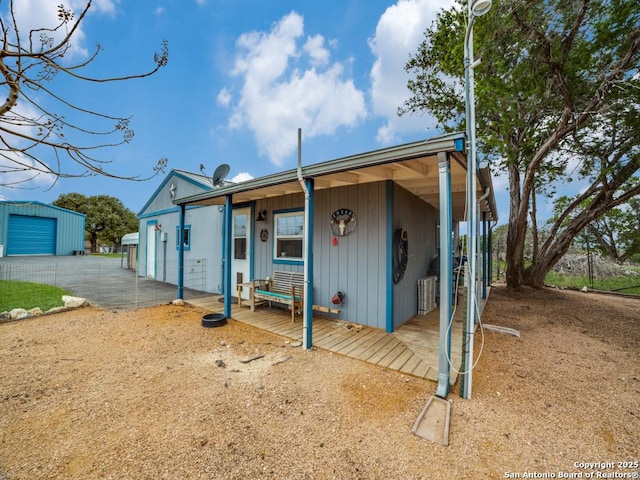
column 35, row 228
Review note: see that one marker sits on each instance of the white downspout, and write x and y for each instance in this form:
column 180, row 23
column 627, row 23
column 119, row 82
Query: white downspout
column 305, row 294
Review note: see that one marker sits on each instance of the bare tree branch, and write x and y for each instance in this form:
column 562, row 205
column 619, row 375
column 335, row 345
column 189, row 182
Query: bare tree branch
column 30, row 62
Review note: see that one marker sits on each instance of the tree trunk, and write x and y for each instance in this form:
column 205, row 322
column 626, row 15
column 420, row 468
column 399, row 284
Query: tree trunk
column 94, row 242
column 534, row 229
column 535, row 274
column 515, row 233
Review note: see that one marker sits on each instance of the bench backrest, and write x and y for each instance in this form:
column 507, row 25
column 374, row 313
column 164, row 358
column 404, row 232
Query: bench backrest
column 283, row 281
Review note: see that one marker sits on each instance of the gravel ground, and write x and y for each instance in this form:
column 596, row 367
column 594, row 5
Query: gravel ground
column 150, row 394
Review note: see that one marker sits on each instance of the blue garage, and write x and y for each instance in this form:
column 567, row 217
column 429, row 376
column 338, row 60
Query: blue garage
column 34, row 228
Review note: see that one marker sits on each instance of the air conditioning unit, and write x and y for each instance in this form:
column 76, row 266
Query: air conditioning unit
column 427, row 294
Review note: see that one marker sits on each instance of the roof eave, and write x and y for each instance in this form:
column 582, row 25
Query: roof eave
column 447, row 143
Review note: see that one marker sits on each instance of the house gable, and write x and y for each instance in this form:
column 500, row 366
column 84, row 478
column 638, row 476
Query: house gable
column 177, row 183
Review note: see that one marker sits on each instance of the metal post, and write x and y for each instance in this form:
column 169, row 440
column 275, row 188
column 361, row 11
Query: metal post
column 308, row 265
column 475, row 8
column 446, row 261
column 490, row 255
column 228, row 234
column 181, row 253
column 484, row 255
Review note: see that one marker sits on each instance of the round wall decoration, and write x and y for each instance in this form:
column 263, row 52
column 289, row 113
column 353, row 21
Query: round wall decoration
column 343, row 222
column 264, row 235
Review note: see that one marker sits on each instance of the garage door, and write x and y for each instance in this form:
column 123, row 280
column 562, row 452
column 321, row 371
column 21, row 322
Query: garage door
column 31, row 235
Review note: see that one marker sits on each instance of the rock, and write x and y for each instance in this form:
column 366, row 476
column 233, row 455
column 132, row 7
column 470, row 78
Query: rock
column 296, row 344
column 18, row 313
column 35, row 311
column 73, row 302
column 57, row 310
column 178, row 301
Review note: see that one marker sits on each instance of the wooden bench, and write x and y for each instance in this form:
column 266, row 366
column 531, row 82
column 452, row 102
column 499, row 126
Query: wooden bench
column 284, row 287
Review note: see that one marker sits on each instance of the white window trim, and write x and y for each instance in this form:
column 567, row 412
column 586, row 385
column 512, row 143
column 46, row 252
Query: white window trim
column 288, row 213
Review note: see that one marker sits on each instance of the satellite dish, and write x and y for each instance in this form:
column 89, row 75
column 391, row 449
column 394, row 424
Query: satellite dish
column 202, row 168
column 220, row 174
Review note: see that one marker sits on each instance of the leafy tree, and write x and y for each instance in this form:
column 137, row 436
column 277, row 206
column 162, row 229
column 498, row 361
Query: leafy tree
column 614, row 234
column 107, row 218
column 558, row 95
column 36, row 127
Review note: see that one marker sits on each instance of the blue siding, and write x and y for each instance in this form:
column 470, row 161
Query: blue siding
column 67, row 234
column 356, row 265
column 421, row 221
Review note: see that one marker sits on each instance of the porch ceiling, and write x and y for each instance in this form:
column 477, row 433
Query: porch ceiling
column 414, row 170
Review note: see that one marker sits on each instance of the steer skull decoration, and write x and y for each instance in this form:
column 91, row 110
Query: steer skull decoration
column 343, row 222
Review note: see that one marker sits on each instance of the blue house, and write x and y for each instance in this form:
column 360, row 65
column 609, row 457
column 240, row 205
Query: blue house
column 369, row 226
column 160, row 237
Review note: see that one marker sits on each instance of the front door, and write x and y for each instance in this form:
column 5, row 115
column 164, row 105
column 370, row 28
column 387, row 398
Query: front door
column 151, row 250
column 240, row 250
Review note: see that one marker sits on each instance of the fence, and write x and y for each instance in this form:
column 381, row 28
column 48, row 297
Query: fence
column 103, row 281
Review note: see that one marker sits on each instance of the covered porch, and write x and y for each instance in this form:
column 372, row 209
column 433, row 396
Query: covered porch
column 417, row 191
column 411, row 350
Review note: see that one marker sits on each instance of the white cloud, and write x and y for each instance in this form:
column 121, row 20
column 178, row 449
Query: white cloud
column 399, row 32
column 224, row 97
column 242, row 177
column 315, row 48
column 287, row 86
column 101, row 6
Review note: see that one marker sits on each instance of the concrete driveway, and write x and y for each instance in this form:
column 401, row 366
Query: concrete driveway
column 102, row 280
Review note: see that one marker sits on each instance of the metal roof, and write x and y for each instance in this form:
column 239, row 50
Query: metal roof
column 130, row 239
column 413, row 166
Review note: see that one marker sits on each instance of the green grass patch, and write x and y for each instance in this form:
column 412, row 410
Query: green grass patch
column 629, row 284
column 28, row 295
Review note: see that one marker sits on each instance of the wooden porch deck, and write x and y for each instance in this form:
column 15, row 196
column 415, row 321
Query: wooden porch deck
column 411, row 350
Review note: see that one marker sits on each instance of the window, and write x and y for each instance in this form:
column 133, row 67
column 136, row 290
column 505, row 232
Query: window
column 186, row 237
column 240, row 237
column 289, row 227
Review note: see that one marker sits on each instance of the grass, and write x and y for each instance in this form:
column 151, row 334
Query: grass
column 28, row 295
column 628, row 284
column 105, row 255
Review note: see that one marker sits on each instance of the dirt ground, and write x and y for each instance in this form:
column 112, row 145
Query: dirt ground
column 151, row 394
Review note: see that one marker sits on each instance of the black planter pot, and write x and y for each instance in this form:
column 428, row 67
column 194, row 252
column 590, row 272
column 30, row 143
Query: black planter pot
column 214, row 320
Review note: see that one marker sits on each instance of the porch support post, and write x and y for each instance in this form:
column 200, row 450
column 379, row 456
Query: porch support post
column 389, row 260
column 308, row 266
column 490, row 255
column 181, row 254
column 228, row 235
column 484, row 255
column 446, row 261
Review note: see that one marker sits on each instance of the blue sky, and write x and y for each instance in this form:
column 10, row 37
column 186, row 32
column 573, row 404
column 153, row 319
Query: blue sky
column 242, row 77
